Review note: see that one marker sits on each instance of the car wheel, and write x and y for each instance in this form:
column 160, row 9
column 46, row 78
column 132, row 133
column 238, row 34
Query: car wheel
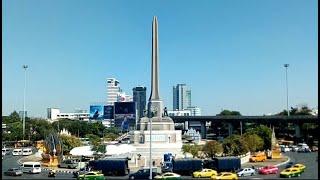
column 289, row 176
column 252, row 174
column 199, row 176
column 131, row 177
column 242, row 175
column 299, row 175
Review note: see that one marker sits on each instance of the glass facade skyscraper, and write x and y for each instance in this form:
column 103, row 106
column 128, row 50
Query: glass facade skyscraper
column 181, row 97
column 139, row 96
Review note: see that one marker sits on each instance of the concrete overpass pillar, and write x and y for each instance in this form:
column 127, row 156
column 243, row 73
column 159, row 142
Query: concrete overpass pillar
column 203, row 130
column 230, row 128
column 186, row 125
column 297, row 128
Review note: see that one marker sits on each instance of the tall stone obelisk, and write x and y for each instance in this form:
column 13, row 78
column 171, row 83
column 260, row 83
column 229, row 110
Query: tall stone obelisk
column 155, row 103
column 155, row 128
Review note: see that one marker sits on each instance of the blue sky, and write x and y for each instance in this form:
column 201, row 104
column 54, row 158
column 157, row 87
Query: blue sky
column 230, row 53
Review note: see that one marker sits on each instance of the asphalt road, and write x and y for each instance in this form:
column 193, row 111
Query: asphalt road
column 308, row 159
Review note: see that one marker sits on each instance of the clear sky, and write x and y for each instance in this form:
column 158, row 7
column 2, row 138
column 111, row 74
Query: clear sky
column 230, row 53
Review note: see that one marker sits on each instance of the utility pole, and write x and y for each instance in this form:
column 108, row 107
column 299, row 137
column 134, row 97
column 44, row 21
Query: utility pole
column 286, row 66
column 24, row 101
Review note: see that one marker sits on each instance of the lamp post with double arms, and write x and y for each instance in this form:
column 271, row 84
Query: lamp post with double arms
column 286, row 66
column 150, row 115
column 24, row 100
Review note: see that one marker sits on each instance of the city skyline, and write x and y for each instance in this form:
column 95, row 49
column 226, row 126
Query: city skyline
column 235, row 63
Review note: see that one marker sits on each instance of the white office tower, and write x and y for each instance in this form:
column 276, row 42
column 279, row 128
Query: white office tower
column 195, row 111
column 181, row 97
column 52, row 113
column 113, row 89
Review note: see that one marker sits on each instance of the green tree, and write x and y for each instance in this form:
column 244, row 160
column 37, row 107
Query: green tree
column 186, row 148
column 194, row 150
column 229, row 113
column 211, row 148
column 304, row 110
column 264, row 132
column 254, row 142
column 68, row 143
column 94, row 140
column 234, row 145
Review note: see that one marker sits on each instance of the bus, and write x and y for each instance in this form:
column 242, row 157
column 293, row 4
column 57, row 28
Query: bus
column 17, row 152
column 31, row 167
column 26, row 151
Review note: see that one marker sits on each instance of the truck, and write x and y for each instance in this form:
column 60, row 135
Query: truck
column 114, row 167
column 167, row 163
column 227, row 163
column 186, row 166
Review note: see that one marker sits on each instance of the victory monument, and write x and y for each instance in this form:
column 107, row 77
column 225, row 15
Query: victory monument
column 164, row 138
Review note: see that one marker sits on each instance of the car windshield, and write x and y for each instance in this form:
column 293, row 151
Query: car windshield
column 239, row 170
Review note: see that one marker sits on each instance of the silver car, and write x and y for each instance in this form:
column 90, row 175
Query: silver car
column 13, row 172
column 246, row 172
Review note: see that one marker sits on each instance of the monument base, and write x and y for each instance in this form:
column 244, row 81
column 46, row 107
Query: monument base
column 164, row 138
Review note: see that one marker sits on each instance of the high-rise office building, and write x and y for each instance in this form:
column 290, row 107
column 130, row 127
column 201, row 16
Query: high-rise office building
column 139, row 96
column 181, row 97
column 194, row 110
column 113, row 89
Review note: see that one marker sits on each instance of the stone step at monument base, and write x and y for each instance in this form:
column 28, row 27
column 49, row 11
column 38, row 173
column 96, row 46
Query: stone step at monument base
column 158, row 152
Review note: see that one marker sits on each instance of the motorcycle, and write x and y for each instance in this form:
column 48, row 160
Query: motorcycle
column 52, row 173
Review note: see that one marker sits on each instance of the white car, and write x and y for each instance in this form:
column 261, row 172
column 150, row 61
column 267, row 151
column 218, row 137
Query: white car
column 294, row 148
column 285, row 149
column 17, row 152
column 246, row 172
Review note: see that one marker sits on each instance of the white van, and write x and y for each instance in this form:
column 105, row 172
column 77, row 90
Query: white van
column 17, row 152
column 31, row 167
column 5, row 151
column 26, row 151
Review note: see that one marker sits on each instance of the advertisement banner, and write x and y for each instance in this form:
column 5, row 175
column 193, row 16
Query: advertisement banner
column 108, row 112
column 125, row 108
column 96, row 112
column 125, row 115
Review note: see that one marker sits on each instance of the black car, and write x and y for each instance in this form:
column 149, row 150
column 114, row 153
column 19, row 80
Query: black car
column 289, row 164
column 143, row 174
column 13, row 172
column 77, row 173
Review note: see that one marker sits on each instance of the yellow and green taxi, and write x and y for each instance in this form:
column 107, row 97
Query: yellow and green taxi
column 225, row 175
column 204, row 173
column 92, row 175
column 290, row 172
column 299, row 166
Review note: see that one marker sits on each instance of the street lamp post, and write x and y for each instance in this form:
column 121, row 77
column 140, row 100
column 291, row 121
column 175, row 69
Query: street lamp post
column 286, row 66
column 24, row 100
column 150, row 140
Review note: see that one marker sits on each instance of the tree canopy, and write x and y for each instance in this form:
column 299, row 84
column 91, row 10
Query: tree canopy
column 255, row 142
column 212, row 148
column 235, row 145
column 229, row 113
column 264, row 132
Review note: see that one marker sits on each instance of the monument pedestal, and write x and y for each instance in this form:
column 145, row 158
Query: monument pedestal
column 164, row 138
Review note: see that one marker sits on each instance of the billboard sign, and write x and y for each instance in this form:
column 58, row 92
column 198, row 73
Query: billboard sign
column 96, row 112
column 108, row 112
column 125, row 115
